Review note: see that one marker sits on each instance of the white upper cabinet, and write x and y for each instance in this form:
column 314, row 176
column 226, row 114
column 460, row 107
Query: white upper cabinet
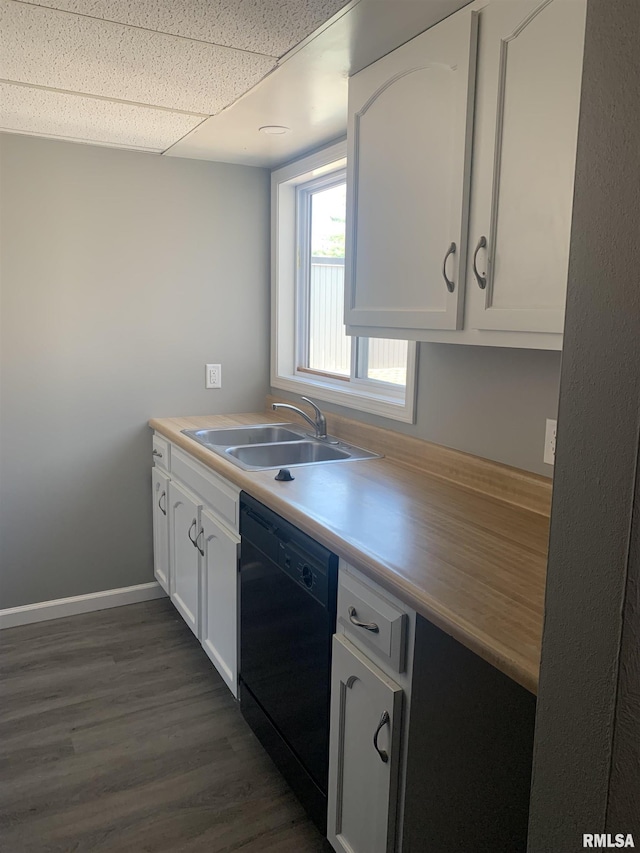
column 526, row 125
column 412, row 117
column 409, row 146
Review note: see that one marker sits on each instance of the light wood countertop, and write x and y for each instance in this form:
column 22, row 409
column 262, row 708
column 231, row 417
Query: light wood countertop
column 469, row 561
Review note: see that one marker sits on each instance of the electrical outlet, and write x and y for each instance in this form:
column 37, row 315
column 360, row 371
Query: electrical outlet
column 550, row 442
column 213, row 376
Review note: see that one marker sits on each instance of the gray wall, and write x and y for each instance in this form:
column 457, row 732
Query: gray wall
column 488, row 401
column 122, row 274
column 593, row 558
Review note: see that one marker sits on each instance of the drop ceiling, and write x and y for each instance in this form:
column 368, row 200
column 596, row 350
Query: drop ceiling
column 196, row 78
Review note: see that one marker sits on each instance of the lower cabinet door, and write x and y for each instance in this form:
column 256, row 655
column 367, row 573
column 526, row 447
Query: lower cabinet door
column 220, row 598
column 160, row 496
column 364, row 753
column 183, row 518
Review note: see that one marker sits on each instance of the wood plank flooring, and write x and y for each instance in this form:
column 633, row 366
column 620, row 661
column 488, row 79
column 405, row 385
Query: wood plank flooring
column 117, row 734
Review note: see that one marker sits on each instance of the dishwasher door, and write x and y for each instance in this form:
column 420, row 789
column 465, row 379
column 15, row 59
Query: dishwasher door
column 285, row 657
column 287, row 618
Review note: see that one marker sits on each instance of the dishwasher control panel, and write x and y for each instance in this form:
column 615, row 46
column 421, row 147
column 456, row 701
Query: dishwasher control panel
column 308, row 563
column 306, row 569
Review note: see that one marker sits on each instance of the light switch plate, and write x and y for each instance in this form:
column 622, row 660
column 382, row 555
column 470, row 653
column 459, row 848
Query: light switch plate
column 213, row 376
column 550, row 442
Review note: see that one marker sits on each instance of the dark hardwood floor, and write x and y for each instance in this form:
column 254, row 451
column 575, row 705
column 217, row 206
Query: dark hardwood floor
column 117, row 734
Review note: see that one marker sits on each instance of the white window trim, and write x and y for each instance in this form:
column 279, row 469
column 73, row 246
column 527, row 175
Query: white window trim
column 358, row 395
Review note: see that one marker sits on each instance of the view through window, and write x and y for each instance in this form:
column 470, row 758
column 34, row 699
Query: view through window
column 324, row 348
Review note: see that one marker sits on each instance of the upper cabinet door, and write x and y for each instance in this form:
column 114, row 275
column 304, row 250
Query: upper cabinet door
column 526, row 124
column 409, row 147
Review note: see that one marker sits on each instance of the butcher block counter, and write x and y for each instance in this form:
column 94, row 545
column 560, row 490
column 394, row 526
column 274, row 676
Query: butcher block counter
column 460, row 539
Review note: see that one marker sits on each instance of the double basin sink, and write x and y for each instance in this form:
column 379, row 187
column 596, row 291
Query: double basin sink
column 274, row 446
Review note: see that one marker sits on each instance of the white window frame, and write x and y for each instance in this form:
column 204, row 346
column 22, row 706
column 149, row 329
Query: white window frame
column 371, row 396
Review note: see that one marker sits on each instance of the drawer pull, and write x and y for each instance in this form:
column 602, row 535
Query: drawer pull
column 163, row 509
column 157, row 453
column 368, row 626
column 384, row 755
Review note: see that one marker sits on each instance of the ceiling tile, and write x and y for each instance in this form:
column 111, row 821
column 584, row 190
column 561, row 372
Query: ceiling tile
column 47, row 113
column 308, row 92
column 62, row 51
column 267, row 26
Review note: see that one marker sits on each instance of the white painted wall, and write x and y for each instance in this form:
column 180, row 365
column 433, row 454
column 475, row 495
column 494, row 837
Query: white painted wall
column 122, row 274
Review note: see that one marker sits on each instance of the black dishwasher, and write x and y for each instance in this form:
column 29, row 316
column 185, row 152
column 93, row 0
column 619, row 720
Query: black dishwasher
column 288, row 587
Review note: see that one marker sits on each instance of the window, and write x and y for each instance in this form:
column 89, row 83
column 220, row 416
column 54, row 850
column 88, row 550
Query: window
column 311, row 352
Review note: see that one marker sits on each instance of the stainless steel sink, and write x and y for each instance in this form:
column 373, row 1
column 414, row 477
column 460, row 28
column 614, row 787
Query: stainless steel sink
column 298, row 453
column 274, row 446
column 232, row 436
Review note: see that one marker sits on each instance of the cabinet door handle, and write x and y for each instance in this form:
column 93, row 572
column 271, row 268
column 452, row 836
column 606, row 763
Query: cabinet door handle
column 451, row 285
column 193, row 524
column 163, row 509
column 368, row 626
column 482, row 280
column 197, row 546
column 157, row 453
column 384, row 720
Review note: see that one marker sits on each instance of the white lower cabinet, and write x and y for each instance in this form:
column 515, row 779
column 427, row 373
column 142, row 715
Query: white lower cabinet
column 160, row 496
column 219, row 597
column 195, row 551
column 184, row 514
column 364, row 753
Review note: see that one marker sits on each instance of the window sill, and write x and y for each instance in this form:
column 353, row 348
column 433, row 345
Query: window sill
column 349, row 396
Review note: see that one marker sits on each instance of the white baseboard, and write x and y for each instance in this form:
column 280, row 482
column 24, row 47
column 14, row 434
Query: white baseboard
column 44, row 610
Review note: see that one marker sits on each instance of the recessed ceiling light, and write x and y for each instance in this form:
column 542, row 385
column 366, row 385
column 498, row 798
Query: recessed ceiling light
column 274, row 129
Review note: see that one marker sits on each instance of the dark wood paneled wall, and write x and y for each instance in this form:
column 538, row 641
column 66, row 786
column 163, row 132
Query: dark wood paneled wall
column 470, row 752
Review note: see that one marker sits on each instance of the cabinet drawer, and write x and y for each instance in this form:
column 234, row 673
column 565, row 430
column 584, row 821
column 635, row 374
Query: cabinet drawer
column 219, row 495
column 161, row 452
column 371, row 622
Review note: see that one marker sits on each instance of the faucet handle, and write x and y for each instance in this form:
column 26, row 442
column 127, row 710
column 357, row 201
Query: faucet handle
column 315, row 407
column 321, row 421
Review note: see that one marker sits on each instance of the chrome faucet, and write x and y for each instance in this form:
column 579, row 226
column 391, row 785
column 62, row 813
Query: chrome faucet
column 319, row 424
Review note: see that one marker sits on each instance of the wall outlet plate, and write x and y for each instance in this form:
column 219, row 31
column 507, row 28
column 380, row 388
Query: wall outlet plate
column 550, row 442
column 213, row 376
